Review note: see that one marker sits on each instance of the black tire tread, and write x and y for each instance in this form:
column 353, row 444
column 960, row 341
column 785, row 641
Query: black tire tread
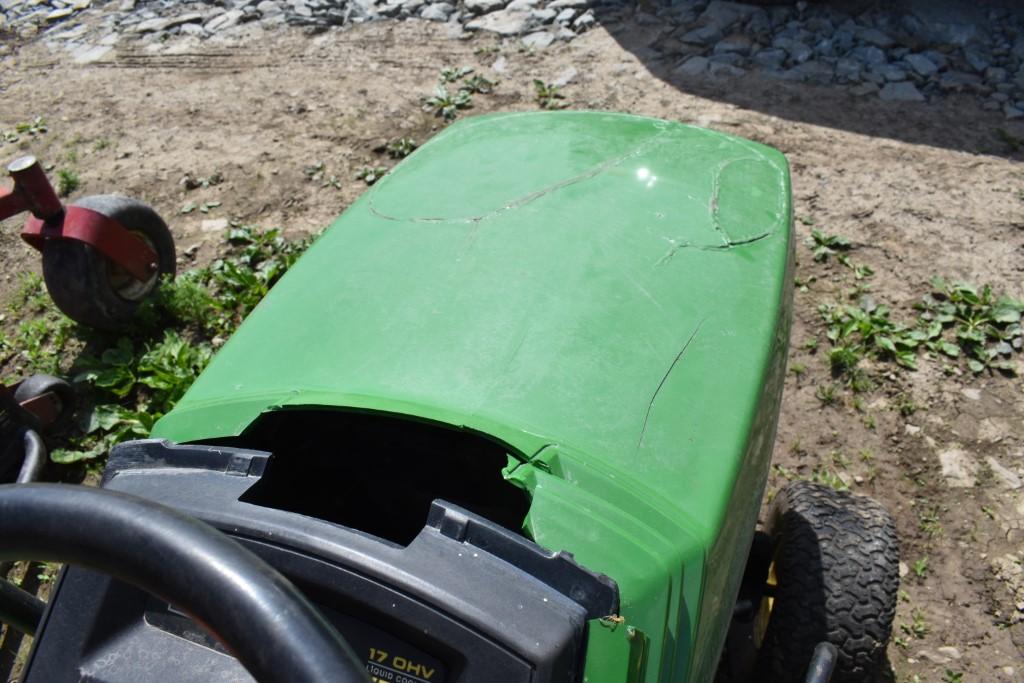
column 76, row 274
column 837, row 566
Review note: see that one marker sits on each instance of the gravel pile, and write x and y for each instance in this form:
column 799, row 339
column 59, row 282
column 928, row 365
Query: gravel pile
column 894, row 55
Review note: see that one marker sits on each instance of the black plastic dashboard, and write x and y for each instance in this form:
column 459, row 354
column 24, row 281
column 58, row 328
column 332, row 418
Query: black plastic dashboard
column 466, row 600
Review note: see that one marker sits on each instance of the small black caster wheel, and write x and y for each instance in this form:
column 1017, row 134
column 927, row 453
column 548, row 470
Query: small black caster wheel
column 50, row 401
column 88, row 287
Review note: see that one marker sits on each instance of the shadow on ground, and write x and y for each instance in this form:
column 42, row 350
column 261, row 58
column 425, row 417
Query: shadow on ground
column 952, row 120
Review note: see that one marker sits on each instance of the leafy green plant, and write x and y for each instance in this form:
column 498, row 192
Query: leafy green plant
column 986, row 329
column 67, row 181
column 47, row 572
column 447, row 105
column 399, row 148
column 479, row 84
column 370, row 175
column 128, row 382
column 191, row 182
column 137, row 378
column 451, row 74
column 36, row 126
column 318, row 173
column 314, row 171
column 823, row 246
column 866, row 330
column 547, row 95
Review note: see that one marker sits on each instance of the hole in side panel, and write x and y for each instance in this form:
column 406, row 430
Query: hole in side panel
column 378, row 473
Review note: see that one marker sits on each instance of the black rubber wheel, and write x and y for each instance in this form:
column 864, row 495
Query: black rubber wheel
column 90, row 289
column 64, row 395
column 835, row 572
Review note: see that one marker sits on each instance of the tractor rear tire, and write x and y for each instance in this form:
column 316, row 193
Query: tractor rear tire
column 836, row 575
column 94, row 291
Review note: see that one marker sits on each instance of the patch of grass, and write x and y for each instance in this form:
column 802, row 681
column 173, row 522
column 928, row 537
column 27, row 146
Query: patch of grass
column 67, row 181
column 950, row 676
column 31, row 296
column 826, row 476
column 547, row 95
column 928, row 521
column 446, row 104
column 826, row 393
column 918, row 627
column 130, row 380
column 101, row 144
column 905, row 405
column 921, row 568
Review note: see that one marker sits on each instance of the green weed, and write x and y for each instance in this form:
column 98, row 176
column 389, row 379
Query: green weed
column 400, row 148
column 447, row 105
column 547, row 95
column 138, row 377
column 67, row 181
column 451, row 74
column 479, row 84
column 822, row 246
column 371, row 175
column 918, row 627
column 962, row 319
column 36, row 126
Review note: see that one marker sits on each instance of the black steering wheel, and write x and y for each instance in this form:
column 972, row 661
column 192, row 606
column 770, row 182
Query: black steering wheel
column 263, row 620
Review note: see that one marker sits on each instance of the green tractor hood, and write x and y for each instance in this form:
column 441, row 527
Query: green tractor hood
column 543, row 278
column 605, row 294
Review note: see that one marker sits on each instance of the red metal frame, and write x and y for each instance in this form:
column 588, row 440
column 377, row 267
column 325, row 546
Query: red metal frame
column 102, row 233
column 51, row 220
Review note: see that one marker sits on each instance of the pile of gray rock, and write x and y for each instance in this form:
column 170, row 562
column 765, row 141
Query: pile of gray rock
column 898, row 55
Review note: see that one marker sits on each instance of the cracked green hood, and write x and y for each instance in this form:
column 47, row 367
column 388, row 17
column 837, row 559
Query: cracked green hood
column 581, row 279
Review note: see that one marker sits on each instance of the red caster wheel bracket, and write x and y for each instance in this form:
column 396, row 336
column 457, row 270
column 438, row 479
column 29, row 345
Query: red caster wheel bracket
column 51, row 220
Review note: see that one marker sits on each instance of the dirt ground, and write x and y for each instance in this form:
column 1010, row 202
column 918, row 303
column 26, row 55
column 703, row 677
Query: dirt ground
column 920, row 189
